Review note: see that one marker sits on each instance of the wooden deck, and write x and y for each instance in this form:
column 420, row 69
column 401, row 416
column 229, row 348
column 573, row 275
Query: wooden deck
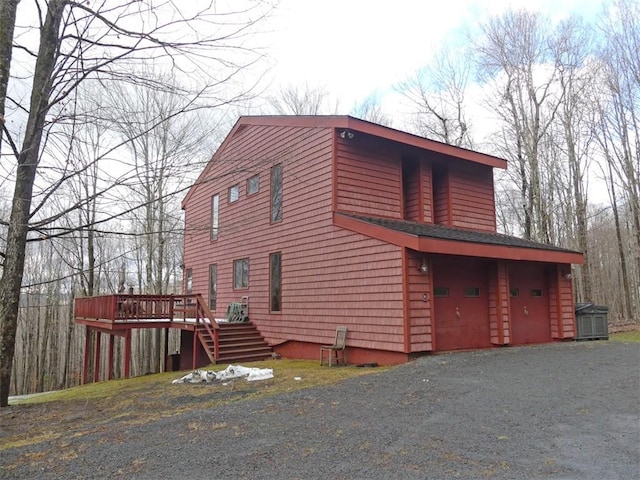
column 122, row 312
column 118, row 315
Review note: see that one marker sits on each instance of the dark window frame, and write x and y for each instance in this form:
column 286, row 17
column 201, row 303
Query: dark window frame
column 188, row 281
column 213, row 286
column 215, row 216
column 472, row 292
column 275, row 282
column 441, row 292
column 276, row 193
column 536, row 293
column 241, row 274
column 250, row 189
column 230, row 193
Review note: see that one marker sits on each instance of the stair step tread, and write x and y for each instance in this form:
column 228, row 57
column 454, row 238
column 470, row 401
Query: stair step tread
column 243, row 342
column 245, row 358
column 245, row 350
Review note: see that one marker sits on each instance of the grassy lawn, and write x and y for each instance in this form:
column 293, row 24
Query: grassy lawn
column 89, row 408
column 632, row 336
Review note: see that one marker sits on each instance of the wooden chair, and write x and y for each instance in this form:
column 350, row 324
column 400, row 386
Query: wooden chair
column 335, row 352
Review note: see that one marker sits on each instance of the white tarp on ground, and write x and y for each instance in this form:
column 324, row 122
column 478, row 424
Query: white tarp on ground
column 232, row 371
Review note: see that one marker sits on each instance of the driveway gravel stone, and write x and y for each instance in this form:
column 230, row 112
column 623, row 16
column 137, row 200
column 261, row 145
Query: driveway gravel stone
column 558, row 411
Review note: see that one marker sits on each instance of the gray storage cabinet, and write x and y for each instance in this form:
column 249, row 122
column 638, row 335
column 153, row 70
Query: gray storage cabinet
column 591, row 321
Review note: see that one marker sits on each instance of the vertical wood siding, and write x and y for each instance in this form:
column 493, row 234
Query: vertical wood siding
column 369, row 178
column 499, row 313
column 561, row 304
column 330, row 276
column 420, row 297
column 440, row 182
column 427, row 191
column 411, row 190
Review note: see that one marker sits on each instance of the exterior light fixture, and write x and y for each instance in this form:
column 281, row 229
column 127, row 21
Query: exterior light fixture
column 568, row 276
column 348, row 134
column 424, row 268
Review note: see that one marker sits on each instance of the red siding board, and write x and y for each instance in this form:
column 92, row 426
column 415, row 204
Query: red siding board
column 330, row 276
column 334, row 270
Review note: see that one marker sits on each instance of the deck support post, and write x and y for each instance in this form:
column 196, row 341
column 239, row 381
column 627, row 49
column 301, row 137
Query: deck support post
column 87, row 348
column 194, row 348
column 96, row 358
column 127, row 354
column 166, row 348
column 110, row 364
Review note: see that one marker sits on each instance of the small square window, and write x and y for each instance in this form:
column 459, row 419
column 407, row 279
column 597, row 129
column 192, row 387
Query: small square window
column 234, row 193
column 253, row 184
column 472, row 292
column 536, row 292
column 441, row 292
column 515, row 292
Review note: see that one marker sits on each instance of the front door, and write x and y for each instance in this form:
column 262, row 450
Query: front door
column 530, row 319
column 461, row 303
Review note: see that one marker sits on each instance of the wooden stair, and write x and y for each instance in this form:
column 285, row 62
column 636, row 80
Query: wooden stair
column 237, row 342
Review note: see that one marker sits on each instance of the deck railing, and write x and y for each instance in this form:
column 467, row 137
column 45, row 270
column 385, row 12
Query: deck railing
column 140, row 308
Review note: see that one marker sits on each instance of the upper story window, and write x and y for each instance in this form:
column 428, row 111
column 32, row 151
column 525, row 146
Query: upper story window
column 234, row 193
column 241, row 273
column 276, row 193
column 215, row 206
column 188, row 283
column 253, row 184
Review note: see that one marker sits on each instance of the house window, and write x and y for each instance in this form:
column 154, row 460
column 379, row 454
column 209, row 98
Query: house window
column 536, row 292
column 275, row 282
column 441, row 291
column 253, row 184
column 188, row 281
column 241, row 273
column 234, row 193
column 515, row 292
column 215, row 205
column 213, row 286
column 276, row 193
column 472, row 292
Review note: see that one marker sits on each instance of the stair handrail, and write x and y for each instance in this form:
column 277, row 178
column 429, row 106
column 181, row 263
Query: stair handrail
column 212, row 326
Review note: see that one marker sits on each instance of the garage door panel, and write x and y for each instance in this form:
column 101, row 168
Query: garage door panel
column 461, row 304
column 530, row 319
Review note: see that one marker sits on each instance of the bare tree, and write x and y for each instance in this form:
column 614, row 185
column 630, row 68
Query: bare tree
column 83, row 42
column 516, row 54
column 303, row 100
column 371, row 110
column 437, row 97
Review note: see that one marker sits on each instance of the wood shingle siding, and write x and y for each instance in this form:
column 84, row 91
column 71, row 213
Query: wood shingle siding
column 471, row 197
column 327, row 272
column 369, row 180
column 363, row 206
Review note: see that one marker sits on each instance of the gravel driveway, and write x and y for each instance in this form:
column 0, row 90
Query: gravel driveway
column 560, row 411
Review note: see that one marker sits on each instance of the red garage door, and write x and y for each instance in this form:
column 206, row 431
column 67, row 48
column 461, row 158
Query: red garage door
column 461, row 303
column 530, row 319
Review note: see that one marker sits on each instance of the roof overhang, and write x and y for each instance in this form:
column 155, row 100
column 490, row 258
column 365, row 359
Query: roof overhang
column 455, row 247
column 374, row 129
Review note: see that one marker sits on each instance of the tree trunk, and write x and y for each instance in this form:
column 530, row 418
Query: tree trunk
column 11, row 280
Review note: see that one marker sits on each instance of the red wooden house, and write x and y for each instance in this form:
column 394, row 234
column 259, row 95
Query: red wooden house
column 328, row 221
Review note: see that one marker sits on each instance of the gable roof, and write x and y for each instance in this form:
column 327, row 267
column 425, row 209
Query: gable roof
column 431, row 238
column 357, row 126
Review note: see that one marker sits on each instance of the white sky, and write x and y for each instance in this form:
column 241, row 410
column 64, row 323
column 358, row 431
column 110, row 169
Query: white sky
column 359, row 47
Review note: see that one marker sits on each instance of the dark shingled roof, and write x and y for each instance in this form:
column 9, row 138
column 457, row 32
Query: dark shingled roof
column 456, row 234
